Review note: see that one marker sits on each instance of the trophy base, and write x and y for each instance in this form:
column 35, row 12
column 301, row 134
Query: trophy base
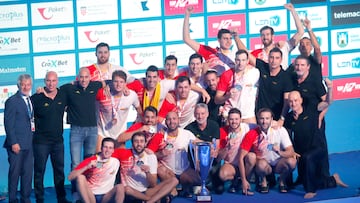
column 203, row 198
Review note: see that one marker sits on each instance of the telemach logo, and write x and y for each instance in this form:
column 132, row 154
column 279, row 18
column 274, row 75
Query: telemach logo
column 345, row 14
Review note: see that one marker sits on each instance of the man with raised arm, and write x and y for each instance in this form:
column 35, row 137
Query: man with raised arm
column 219, row 58
column 267, row 38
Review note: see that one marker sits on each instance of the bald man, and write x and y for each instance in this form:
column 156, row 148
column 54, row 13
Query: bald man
column 49, row 108
column 309, row 142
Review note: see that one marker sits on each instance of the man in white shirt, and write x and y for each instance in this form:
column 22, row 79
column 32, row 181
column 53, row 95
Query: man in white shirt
column 273, row 149
column 172, row 152
column 95, row 176
column 139, row 172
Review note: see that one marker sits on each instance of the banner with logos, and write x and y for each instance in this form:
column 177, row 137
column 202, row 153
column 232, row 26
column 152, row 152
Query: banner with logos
column 36, row 37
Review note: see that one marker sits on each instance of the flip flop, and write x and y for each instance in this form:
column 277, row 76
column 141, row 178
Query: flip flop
column 283, row 189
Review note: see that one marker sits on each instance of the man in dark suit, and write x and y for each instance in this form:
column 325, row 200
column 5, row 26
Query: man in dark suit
column 19, row 127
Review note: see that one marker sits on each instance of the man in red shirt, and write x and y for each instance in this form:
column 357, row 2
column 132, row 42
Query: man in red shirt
column 95, row 176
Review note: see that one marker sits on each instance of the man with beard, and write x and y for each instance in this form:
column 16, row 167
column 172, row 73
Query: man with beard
column 230, row 140
column 183, row 101
column 171, row 149
column 238, row 88
column 114, row 108
column 152, row 91
column 267, row 38
column 139, row 172
column 149, row 126
column 310, row 143
column 219, row 58
column 274, row 83
column 273, row 149
column 95, row 176
column 103, row 69
column 305, row 48
column 212, row 80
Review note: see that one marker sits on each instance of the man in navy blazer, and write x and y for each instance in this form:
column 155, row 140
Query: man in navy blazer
column 19, row 127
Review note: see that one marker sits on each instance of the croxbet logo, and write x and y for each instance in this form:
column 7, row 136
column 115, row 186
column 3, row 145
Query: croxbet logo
column 342, row 39
column 48, row 13
column 9, row 40
column 272, row 21
column 54, row 63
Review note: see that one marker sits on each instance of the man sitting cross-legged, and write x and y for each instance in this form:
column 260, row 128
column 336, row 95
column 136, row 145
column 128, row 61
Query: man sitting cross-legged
column 139, row 172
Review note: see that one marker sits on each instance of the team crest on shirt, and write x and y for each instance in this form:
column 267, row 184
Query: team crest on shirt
column 91, row 92
column 46, row 104
column 77, row 92
column 306, row 117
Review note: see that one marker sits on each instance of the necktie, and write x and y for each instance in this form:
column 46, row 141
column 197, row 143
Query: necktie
column 29, row 106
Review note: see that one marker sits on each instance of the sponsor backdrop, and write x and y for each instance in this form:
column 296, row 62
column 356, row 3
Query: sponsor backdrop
column 37, row 36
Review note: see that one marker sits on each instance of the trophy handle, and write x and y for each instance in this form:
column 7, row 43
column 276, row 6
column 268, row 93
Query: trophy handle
column 212, row 158
column 191, row 148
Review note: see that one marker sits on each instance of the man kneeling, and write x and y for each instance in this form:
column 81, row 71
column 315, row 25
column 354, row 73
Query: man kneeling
column 95, row 176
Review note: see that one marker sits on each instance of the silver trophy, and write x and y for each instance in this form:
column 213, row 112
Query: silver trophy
column 202, row 162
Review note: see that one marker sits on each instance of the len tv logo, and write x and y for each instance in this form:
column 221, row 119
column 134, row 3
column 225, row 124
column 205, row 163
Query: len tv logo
column 342, row 39
column 272, row 21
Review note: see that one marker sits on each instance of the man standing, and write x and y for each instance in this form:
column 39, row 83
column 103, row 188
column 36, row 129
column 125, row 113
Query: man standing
column 219, row 58
column 114, row 108
column 49, row 108
column 170, row 71
column 82, row 115
column 212, row 80
column 183, row 102
column 19, row 127
column 238, row 88
column 305, row 48
column 139, row 172
column 273, row 149
column 267, row 38
column 274, row 83
column 103, row 69
column 95, row 176
column 151, row 90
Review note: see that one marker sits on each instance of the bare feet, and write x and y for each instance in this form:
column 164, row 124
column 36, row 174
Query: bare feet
column 309, row 195
column 339, row 181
